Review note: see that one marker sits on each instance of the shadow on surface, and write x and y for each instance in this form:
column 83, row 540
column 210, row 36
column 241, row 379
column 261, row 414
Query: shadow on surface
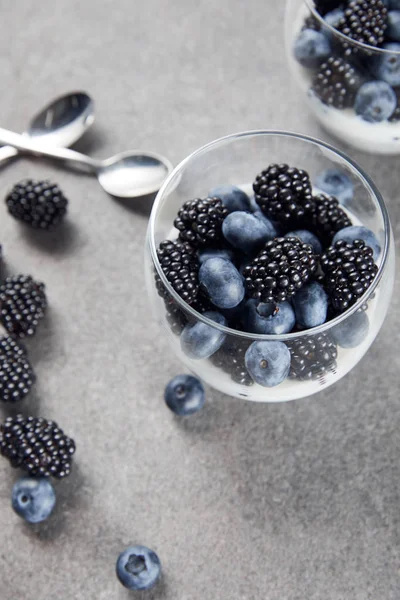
column 61, row 240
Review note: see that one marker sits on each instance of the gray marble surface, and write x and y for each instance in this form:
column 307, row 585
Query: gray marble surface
column 299, row 501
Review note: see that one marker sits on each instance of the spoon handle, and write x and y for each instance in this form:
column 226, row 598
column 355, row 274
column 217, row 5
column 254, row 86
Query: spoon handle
column 7, row 152
column 20, row 142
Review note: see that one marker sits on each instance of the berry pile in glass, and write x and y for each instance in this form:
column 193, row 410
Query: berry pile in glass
column 346, row 56
column 279, row 257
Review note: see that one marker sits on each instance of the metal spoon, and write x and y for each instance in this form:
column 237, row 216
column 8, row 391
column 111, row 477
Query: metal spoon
column 126, row 175
column 60, row 124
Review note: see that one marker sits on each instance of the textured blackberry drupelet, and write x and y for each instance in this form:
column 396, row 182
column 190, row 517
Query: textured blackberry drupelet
column 312, row 357
column 336, row 83
column 36, row 445
column 200, row 221
column 328, row 218
column 349, row 271
column 284, row 195
column 22, row 305
column 180, row 264
column 16, row 373
column 230, row 359
column 281, row 269
column 40, row 204
column 325, row 6
column 364, row 21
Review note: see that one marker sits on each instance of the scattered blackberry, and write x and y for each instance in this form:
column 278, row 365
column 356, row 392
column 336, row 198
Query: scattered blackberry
column 22, row 305
column 230, row 359
column 325, row 6
column 180, row 264
column 328, row 218
column 349, row 271
column 36, row 445
column 336, row 83
column 284, row 195
column 16, row 373
column 200, row 221
column 312, row 357
column 364, row 21
column 40, row 204
column 281, row 269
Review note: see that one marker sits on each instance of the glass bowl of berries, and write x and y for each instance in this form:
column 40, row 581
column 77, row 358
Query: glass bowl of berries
column 269, row 264
column 345, row 55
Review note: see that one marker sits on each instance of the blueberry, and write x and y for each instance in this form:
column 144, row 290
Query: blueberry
column 247, row 232
column 216, row 253
column 33, row 499
column 138, row 568
column 311, row 305
column 222, row 282
column 184, row 395
column 333, row 17
column 253, row 204
column 268, row 363
column 234, row 314
column 336, row 183
column 268, row 318
column 352, row 331
column 311, row 48
column 199, row 340
column 393, row 29
column 232, row 197
column 375, row 101
column 387, row 66
column 308, row 238
column 357, row 232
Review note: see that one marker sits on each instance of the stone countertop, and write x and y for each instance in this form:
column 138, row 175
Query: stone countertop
column 298, row 501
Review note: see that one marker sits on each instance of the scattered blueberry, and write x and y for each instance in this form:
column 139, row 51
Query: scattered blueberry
column 311, row 48
column 268, row 363
column 184, row 395
column 222, row 282
column 375, row 101
column 199, row 340
column 308, row 238
column 138, row 568
column 333, row 17
column 247, row 232
column 393, row 29
column 311, row 305
column 33, row 499
column 268, row 318
column 335, row 182
column 232, row 197
column 387, row 66
column 358, row 232
column 352, row 331
column 216, row 253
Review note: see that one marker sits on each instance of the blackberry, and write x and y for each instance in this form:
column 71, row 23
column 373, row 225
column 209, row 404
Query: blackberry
column 349, row 271
column 326, row 6
column 180, row 264
column 284, row 195
column 336, row 83
column 36, row 445
column 22, row 305
column 175, row 316
column 230, row 359
column 312, row 357
column 328, row 218
column 281, row 269
column 364, row 21
column 40, row 204
column 200, row 221
column 16, row 373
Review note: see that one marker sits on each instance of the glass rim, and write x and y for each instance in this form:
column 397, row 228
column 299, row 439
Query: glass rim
column 349, row 40
column 328, row 325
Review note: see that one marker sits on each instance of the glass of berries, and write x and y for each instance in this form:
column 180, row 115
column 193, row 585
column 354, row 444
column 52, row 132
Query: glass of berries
column 269, row 264
column 345, row 55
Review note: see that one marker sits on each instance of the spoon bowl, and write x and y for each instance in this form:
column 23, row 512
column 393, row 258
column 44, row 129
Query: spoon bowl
column 133, row 173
